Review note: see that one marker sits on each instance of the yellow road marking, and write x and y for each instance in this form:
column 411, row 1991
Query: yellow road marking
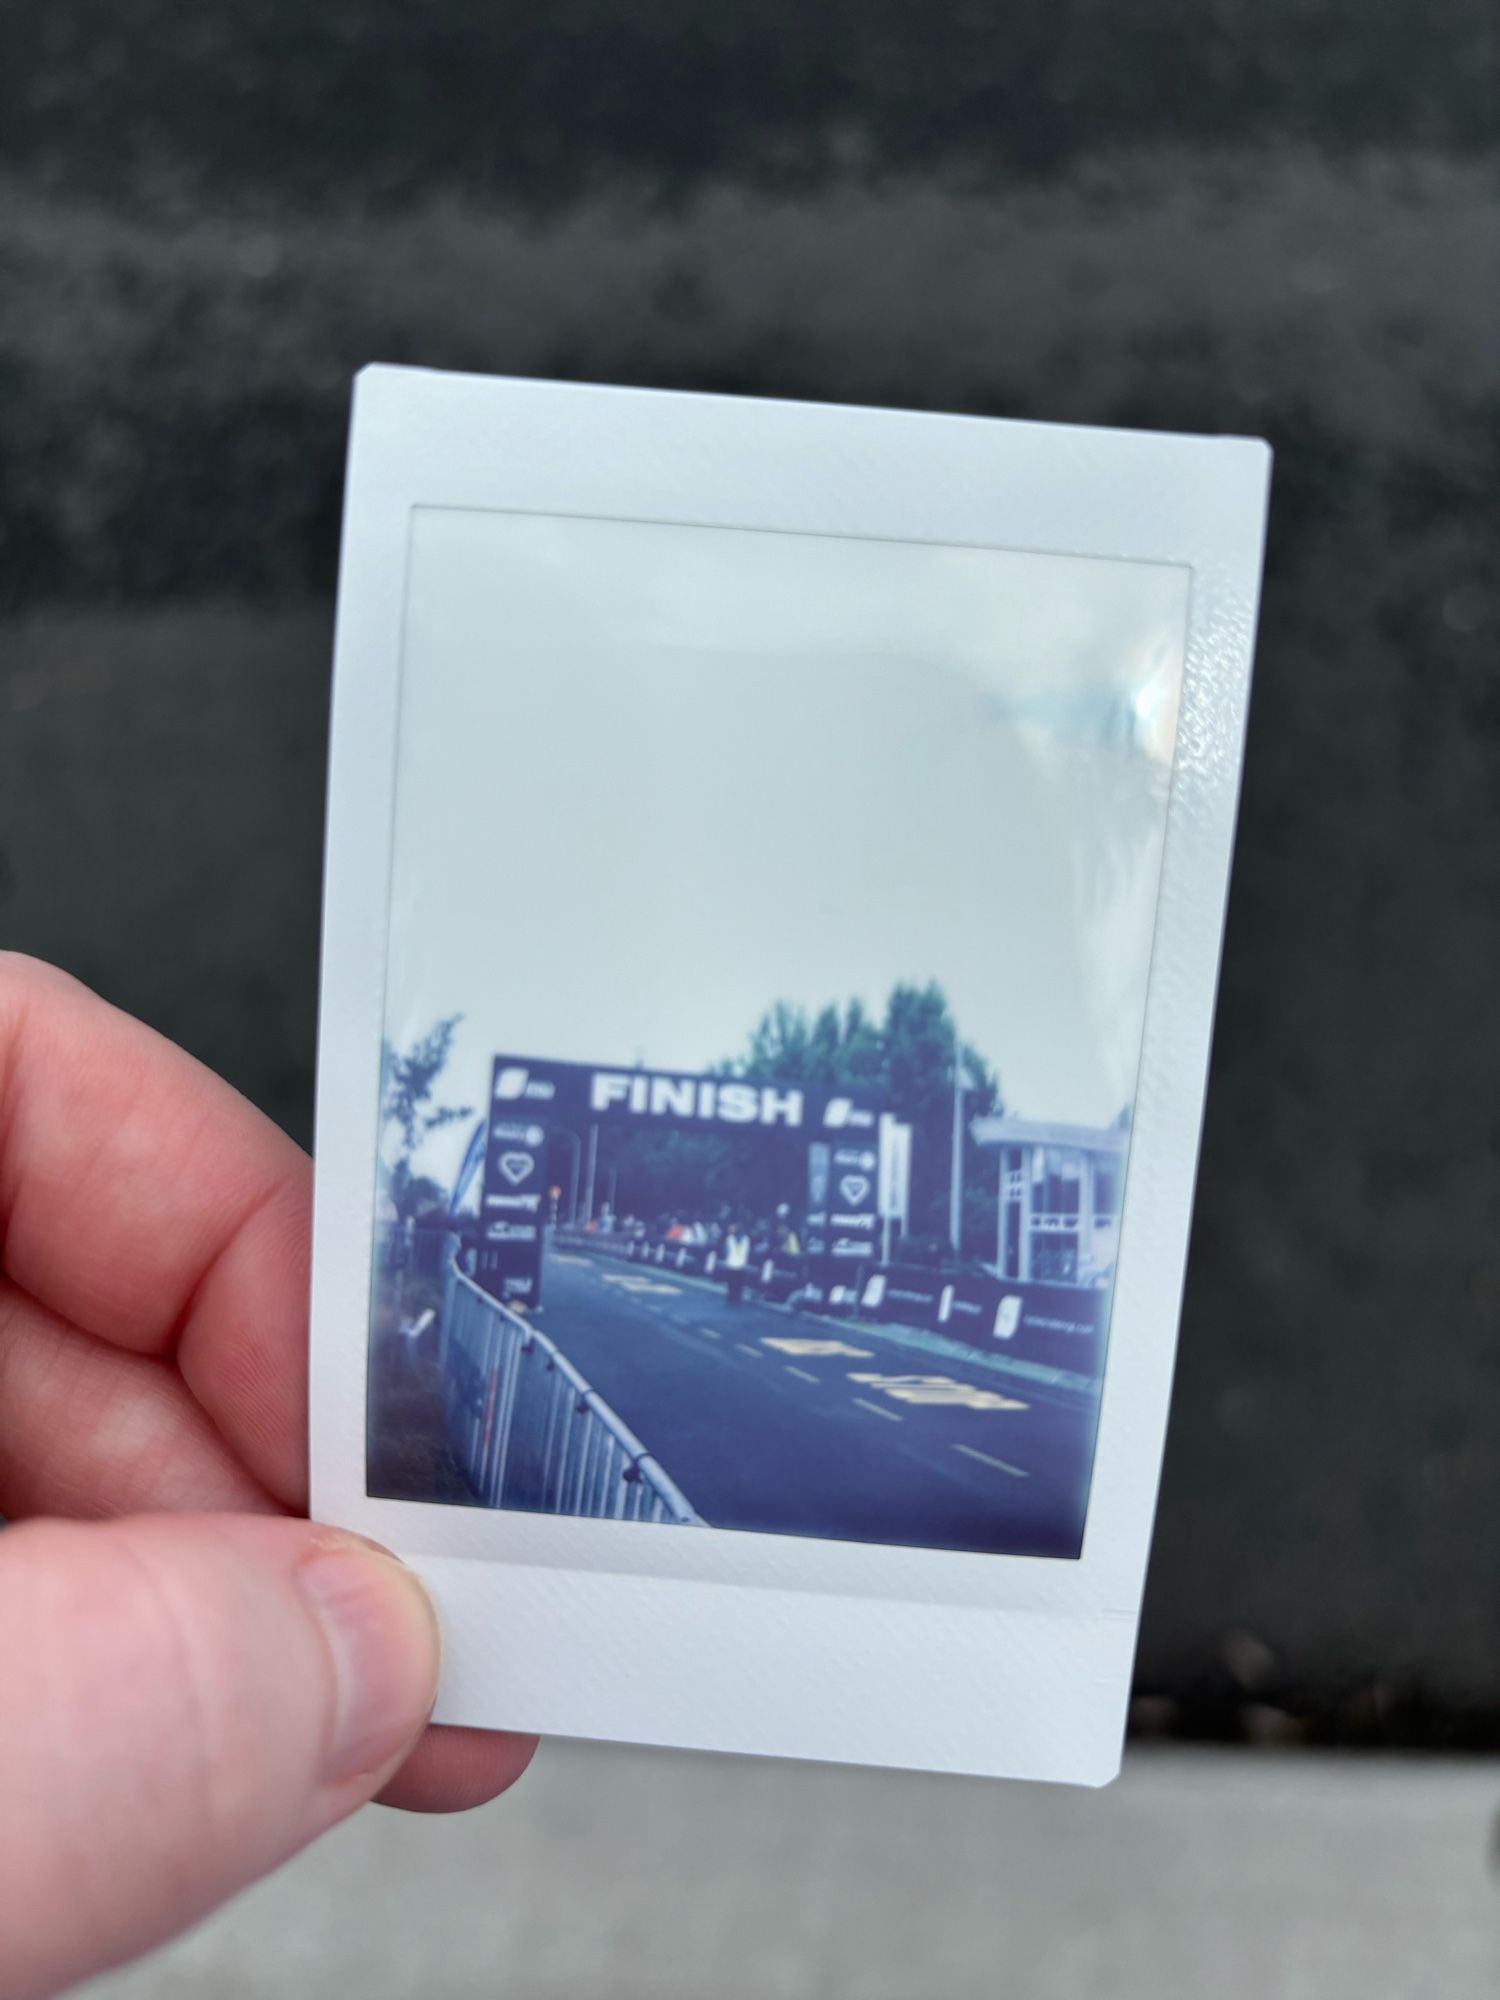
column 813, row 1350
column 939, row 1390
column 1015, row 1471
column 876, row 1411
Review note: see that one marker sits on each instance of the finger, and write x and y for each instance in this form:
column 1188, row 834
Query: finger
column 183, row 1703
column 145, row 1202
column 453, row 1769
column 87, row 1430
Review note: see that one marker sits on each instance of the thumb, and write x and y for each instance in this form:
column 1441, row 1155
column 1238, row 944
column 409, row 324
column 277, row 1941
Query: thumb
column 183, row 1703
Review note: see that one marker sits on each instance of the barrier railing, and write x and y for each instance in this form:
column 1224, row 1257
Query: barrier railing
column 527, row 1428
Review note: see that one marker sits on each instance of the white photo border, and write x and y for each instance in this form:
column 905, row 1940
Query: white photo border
column 784, row 1645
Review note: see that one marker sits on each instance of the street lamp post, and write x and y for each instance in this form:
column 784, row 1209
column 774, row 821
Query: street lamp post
column 956, row 1165
column 575, row 1156
column 588, row 1183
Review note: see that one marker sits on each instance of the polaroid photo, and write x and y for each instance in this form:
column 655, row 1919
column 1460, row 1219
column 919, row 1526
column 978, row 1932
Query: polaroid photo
column 776, row 868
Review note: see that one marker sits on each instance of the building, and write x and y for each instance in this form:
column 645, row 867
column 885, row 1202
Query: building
column 1060, row 1191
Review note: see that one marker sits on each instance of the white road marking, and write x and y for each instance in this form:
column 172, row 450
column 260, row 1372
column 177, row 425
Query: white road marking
column 800, row 1373
column 709, row 1332
column 816, row 1349
column 876, row 1411
column 629, row 1283
column 753, row 1352
column 939, row 1390
column 1015, row 1471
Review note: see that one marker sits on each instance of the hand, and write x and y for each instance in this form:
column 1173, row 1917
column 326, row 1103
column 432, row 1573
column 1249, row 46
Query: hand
column 190, row 1693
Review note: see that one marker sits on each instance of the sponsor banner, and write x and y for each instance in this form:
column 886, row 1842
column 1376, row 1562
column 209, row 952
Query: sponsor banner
column 853, row 1202
column 902, row 1292
column 509, row 1262
column 495, row 1269
column 575, row 1095
column 1063, row 1326
column 777, row 1277
column 510, row 1232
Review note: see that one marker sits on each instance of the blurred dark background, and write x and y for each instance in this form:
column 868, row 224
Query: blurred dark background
column 1264, row 216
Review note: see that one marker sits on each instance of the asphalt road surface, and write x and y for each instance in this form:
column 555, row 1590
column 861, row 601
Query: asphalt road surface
column 779, row 1423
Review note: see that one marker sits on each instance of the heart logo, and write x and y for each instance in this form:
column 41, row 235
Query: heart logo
column 854, row 1188
column 517, row 1167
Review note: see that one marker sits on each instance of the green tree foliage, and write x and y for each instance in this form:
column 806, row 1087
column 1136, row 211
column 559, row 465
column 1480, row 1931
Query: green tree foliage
column 906, row 1058
column 408, row 1114
column 662, row 1173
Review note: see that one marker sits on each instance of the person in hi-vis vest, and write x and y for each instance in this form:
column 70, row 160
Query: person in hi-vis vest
column 736, row 1260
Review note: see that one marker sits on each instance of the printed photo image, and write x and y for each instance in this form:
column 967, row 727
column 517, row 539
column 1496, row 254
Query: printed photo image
column 770, row 924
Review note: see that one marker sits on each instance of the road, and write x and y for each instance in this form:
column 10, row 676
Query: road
column 777, row 1423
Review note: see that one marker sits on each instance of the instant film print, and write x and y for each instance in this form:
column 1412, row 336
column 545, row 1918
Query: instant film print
column 762, row 1049
column 749, row 882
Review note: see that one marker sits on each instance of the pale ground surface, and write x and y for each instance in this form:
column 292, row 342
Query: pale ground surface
column 648, row 1876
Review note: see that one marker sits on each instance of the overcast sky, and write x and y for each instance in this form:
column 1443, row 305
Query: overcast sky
column 653, row 779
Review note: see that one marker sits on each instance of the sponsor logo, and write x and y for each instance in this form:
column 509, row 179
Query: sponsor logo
column 842, row 1113
column 945, row 1304
column 848, row 1246
column 855, row 1188
column 510, row 1232
column 1007, row 1317
column 858, row 1157
column 874, row 1290
column 863, row 1218
column 529, row 1203
column 511, row 1130
column 517, row 1167
column 513, row 1081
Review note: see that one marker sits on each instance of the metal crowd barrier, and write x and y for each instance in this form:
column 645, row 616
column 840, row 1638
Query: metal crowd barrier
column 527, row 1428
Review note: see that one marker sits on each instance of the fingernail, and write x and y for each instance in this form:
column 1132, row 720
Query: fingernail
column 383, row 1637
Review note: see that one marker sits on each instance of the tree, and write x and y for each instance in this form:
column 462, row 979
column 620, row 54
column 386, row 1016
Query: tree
column 906, row 1059
column 921, row 1046
column 909, row 1060
column 408, row 1115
